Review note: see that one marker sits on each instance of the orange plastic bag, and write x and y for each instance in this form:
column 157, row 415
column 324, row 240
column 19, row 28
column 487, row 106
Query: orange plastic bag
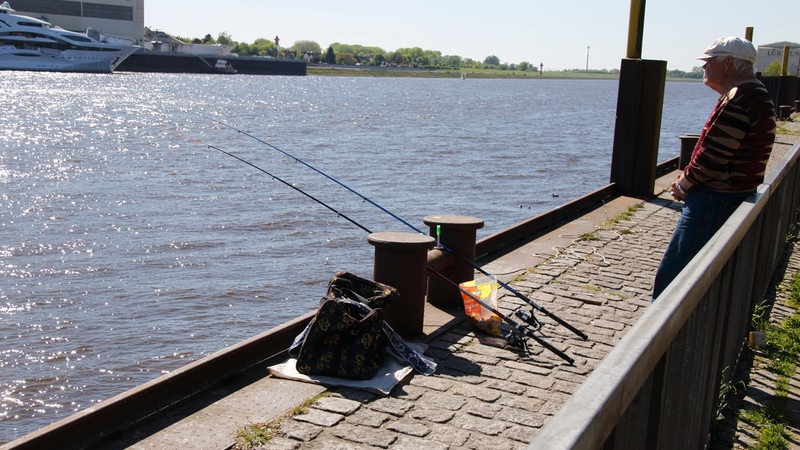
column 486, row 290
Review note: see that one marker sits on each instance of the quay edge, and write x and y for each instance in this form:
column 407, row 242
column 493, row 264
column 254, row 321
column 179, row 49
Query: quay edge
column 143, row 61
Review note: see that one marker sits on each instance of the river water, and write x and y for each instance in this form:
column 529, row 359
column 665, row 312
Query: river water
column 130, row 247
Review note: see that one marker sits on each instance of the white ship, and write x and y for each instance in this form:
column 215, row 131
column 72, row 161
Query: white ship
column 27, row 43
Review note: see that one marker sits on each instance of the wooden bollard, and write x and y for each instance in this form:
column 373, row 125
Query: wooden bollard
column 458, row 235
column 688, row 141
column 784, row 112
column 400, row 262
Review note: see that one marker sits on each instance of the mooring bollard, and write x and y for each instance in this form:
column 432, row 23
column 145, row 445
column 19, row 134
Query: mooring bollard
column 784, row 112
column 400, row 262
column 457, row 233
column 688, row 141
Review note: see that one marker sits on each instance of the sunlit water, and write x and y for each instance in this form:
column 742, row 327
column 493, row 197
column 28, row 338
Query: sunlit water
column 129, row 247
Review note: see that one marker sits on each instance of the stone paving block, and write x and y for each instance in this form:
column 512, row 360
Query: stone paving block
column 479, row 425
column 337, row 405
column 479, row 357
column 369, row 418
column 408, row 392
column 408, row 427
column 495, row 443
column 393, row 406
column 479, row 392
column 436, row 383
column 449, row 435
column 481, row 409
column 521, row 433
column 321, row 418
column 608, row 324
column 413, row 443
column 300, row 431
column 431, row 414
column 444, row 400
column 377, row 438
column 521, row 417
column 280, row 443
column 525, row 403
column 506, row 386
column 531, row 379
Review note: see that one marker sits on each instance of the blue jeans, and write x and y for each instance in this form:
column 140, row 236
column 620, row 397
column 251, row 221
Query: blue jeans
column 704, row 212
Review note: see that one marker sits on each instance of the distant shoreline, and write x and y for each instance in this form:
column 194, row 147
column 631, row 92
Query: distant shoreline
column 372, row 71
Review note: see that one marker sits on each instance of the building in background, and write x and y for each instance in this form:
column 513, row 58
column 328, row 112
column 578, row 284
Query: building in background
column 118, row 18
column 767, row 54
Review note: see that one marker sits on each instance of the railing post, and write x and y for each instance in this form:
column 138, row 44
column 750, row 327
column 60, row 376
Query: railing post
column 458, row 235
column 400, row 262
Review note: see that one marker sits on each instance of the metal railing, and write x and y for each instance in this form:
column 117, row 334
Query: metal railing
column 659, row 387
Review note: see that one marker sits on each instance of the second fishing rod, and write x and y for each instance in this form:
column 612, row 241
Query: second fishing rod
column 444, row 248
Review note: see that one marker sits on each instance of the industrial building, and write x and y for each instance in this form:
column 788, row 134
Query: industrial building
column 118, row 18
column 767, row 54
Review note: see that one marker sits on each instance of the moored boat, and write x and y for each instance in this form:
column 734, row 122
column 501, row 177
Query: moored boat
column 27, row 43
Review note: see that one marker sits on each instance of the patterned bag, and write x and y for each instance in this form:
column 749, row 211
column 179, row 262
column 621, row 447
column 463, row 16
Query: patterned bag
column 342, row 341
column 347, row 337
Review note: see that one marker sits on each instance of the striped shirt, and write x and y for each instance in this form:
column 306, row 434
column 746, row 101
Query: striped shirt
column 734, row 146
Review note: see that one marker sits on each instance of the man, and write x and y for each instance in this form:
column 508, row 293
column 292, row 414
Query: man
column 730, row 157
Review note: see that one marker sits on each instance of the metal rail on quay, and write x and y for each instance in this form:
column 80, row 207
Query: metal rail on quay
column 658, row 388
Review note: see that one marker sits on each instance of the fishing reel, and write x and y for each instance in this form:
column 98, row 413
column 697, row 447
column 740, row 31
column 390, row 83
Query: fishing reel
column 529, row 319
column 515, row 338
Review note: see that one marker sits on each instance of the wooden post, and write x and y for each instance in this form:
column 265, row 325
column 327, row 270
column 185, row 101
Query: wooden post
column 636, row 134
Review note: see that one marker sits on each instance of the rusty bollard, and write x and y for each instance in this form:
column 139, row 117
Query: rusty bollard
column 458, row 235
column 400, row 262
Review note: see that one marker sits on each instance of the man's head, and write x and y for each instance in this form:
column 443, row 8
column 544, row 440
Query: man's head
column 732, row 46
column 728, row 61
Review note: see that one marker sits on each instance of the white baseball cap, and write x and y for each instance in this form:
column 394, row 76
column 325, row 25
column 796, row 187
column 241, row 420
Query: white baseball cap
column 731, row 46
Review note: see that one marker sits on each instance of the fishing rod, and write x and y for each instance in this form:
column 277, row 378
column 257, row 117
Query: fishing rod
column 277, row 178
column 515, row 292
column 516, row 326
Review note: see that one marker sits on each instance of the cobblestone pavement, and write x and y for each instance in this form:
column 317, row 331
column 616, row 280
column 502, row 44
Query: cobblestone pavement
column 485, row 395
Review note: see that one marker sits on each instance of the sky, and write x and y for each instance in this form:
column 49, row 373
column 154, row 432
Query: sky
column 555, row 34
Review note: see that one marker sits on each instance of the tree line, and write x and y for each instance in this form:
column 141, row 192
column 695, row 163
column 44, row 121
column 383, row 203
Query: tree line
column 349, row 54
column 414, row 57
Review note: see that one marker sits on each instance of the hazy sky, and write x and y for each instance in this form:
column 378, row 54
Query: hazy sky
column 555, row 33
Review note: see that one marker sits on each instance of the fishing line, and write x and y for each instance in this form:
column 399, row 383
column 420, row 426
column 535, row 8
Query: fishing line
column 517, row 328
column 277, row 178
column 515, row 292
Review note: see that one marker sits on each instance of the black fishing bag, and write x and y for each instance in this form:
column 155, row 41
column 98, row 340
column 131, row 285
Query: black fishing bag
column 345, row 339
column 348, row 336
